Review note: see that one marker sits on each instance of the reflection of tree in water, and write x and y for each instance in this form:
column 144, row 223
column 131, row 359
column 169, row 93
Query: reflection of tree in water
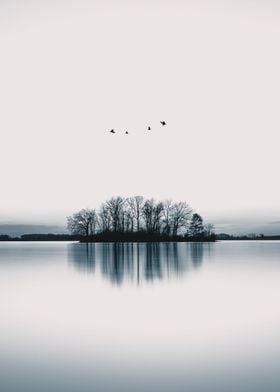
column 113, row 262
column 162, row 260
column 116, row 261
column 175, row 258
column 153, row 267
column 196, row 253
column 83, row 257
column 137, row 261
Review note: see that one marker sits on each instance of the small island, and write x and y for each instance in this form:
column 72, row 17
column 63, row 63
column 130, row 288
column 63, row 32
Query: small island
column 137, row 219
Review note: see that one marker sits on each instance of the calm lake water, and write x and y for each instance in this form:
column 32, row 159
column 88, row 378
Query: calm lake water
column 140, row 317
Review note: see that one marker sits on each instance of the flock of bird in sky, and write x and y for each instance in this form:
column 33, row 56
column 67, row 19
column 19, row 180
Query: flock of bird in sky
column 163, row 123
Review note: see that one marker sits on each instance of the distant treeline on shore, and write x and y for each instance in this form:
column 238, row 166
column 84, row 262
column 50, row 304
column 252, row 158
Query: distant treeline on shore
column 247, row 237
column 138, row 219
column 41, row 237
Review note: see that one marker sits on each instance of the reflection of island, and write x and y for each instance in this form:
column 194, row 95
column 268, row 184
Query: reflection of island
column 137, row 261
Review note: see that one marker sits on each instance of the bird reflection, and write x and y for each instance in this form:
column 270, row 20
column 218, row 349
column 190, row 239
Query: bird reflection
column 137, row 262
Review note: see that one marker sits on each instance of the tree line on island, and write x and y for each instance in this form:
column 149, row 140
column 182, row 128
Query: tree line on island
column 139, row 219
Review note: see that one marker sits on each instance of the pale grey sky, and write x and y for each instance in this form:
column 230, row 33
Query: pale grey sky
column 72, row 70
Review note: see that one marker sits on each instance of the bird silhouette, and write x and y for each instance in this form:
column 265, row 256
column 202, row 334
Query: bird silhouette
column 112, row 131
column 149, row 128
column 126, row 133
column 163, row 123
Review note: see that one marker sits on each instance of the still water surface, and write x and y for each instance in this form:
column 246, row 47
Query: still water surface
column 140, row 317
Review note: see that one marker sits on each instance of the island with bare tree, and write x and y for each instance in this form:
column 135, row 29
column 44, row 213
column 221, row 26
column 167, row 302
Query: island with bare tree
column 137, row 219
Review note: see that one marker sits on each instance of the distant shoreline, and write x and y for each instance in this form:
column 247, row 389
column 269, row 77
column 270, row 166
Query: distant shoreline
column 134, row 237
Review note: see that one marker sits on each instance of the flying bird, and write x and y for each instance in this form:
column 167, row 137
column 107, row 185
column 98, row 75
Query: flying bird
column 163, row 123
column 112, row 131
column 126, row 132
column 149, row 128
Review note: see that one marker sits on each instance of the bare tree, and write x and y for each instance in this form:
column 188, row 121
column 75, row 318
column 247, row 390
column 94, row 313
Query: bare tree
column 167, row 216
column 104, row 219
column 115, row 206
column 147, row 213
column 196, row 226
column 82, row 222
column 152, row 213
column 135, row 205
column 157, row 217
column 181, row 214
column 128, row 221
column 93, row 222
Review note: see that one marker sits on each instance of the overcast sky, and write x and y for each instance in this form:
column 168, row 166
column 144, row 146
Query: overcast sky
column 72, row 70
